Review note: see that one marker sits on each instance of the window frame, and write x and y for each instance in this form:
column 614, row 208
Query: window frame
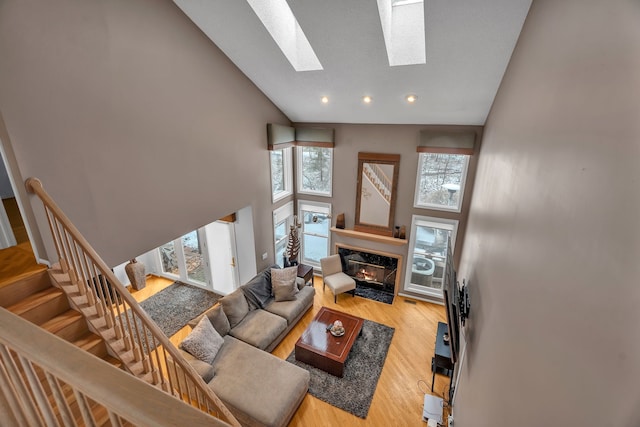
column 427, row 221
column 299, row 168
column 282, row 214
column 317, row 207
column 433, row 206
column 287, row 167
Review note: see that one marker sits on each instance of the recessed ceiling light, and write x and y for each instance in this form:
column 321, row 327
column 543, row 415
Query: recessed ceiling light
column 411, row 99
column 325, row 99
column 366, row 99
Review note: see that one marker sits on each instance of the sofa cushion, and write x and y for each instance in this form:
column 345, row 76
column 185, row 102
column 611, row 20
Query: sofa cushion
column 258, row 290
column 283, row 282
column 259, row 328
column 235, row 306
column 257, row 387
column 217, row 318
column 204, row 369
column 203, row 342
column 290, row 310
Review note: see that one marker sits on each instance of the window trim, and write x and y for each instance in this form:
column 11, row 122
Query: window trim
column 299, row 189
column 432, row 206
column 287, row 166
column 319, row 207
column 426, row 221
column 283, row 213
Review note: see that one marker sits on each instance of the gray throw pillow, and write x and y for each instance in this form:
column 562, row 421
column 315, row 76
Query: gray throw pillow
column 283, row 282
column 203, row 342
column 235, row 306
column 217, row 318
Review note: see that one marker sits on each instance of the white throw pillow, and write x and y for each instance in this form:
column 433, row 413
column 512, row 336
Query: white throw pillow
column 203, row 342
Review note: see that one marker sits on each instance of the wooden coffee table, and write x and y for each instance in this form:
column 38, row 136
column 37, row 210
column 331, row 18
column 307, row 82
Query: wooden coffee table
column 318, row 347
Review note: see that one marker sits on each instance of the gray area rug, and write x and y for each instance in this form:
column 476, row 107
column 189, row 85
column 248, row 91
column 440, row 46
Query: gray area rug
column 353, row 392
column 174, row 306
column 373, row 294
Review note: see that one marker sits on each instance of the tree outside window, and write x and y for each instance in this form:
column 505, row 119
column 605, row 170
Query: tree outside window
column 315, row 166
column 281, row 173
column 440, row 183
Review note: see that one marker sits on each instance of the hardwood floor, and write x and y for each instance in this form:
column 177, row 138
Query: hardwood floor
column 17, row 262
column 398, row 399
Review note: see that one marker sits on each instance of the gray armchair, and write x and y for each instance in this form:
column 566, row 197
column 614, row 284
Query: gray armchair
column 335, row 278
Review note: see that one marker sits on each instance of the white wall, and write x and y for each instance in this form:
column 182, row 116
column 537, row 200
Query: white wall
column 245, row 242
column 138, row 126
column 552, row 245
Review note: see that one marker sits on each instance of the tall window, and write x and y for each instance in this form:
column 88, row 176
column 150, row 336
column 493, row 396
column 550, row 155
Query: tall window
column 315, row 170
column 316, row 221
column 281, row 173
column 282, row 219
column 440, row 181
column 428, row 246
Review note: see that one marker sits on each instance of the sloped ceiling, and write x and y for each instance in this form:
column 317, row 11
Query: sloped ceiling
column 468, row 46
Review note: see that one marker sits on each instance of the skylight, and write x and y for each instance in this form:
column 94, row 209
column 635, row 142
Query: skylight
column 403, row 29
column 278, row 19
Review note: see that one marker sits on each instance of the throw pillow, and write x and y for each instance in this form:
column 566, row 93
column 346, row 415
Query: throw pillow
column 235, row 306
column 203, row 342
column 217, row 317
column 258, row 290
column 283, row 282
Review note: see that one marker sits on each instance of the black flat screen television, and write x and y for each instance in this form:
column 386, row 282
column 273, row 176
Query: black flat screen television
column 451, row 301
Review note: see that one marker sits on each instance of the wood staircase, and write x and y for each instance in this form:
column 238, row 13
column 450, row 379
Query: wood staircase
column 110, row 311
column 35, row 299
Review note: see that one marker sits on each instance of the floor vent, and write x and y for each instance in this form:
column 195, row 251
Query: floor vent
column 410, row 301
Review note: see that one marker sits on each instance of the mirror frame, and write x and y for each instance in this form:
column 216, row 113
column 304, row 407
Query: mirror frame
column 380, row 158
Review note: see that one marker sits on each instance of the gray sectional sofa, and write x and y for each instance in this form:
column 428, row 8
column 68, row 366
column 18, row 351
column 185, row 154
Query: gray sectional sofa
column 257, row 387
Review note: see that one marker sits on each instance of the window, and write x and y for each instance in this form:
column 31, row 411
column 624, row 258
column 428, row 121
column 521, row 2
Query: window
column 315, row 218
column 282, row 220
column 314, row 166
column 440, row 181
column 185, row 259
column 281, row 175
column 428, row 246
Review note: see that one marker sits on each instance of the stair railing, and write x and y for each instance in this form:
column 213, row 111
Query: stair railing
column 379, row 180
column 138, row 342
column 45, row 380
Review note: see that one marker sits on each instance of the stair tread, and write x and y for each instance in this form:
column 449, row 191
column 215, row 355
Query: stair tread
column 62, row 320
column 87, row 341
column 35, row 300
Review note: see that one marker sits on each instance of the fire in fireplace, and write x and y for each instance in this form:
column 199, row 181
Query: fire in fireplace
column 370, row 269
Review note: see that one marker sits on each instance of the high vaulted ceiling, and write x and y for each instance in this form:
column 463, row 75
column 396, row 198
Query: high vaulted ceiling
column 468, row 46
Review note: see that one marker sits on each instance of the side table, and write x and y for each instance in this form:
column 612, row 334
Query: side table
column 441, row 362
column 305, row 272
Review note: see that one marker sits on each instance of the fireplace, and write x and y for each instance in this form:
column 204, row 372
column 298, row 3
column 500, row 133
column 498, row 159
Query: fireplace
column 377, row 270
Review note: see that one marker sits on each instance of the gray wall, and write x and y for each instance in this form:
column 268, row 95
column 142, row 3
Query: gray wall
column 553, row 239
column 136, row 123
column 350, row 139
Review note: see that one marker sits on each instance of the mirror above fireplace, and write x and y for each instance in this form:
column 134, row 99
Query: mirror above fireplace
column 376, row 192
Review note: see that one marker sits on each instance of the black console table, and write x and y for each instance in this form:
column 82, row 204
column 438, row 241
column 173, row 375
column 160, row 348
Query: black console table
column 441, row 362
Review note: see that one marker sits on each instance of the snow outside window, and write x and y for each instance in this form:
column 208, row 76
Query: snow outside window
column 281, row 174
column 315, row 170
column 440, row 181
